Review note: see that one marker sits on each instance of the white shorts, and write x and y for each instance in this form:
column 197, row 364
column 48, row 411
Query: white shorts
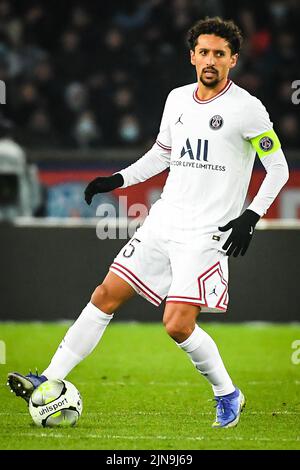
column 158, row 268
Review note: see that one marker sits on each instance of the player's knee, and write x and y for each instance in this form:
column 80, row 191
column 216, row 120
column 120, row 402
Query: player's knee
column 179, row 320
column 102, row 299
column 178, row 329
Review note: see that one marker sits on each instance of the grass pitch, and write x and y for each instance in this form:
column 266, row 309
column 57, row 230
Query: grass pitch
column 140, row 391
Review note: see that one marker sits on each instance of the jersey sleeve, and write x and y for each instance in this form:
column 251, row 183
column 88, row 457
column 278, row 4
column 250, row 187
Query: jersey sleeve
column 150, row 164
column 255, row 119
column 257, row 128
column 164, row 136
column 277, row 175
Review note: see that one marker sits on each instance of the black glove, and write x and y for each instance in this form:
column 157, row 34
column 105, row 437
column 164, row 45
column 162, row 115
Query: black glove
column 241, row 235
column 102, row 184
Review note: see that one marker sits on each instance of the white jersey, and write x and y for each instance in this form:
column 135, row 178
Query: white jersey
column 206, row 145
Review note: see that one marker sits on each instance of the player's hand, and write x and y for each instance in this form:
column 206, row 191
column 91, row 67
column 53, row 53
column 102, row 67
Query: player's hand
column 241, row 235
column 102, row 184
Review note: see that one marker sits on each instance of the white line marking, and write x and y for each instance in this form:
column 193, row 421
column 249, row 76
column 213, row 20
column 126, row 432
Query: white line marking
column 185, row 384
column 190, row 415
column 157, row 438
column 166, row 413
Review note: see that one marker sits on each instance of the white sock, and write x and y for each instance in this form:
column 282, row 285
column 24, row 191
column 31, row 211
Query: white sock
column 205, row 356
column 79, row 341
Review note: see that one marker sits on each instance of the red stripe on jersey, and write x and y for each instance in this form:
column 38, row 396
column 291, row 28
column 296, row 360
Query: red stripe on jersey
column 202, row 299
column 159, row 299
column 163, row 146
column 221, row 92
column 131, row 281
column 191, row 302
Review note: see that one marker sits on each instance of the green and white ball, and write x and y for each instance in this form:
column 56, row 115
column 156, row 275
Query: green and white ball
column 55, row 403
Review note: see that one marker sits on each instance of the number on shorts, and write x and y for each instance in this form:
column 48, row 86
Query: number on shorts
column 129, row 251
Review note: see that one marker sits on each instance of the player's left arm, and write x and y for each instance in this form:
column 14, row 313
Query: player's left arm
column 268, row 149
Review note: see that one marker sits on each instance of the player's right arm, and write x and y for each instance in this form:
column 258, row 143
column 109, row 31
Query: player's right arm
column 153, row 162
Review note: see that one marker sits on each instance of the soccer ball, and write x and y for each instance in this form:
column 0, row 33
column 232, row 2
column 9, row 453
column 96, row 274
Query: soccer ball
column 55, row 403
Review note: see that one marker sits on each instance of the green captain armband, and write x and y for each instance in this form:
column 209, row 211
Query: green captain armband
column 266, row 143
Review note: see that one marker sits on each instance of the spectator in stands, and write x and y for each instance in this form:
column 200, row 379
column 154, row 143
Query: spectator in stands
column 133, row 45
column 129, row 131
column 87, row 132
column 40, row 131
column 71, row 61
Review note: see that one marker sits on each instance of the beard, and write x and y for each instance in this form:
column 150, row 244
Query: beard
column 212, row 83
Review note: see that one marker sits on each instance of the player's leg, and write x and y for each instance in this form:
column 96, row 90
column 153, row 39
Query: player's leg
column 180, row 322
column 142, row 266
column 82, row 337
column 200, row 279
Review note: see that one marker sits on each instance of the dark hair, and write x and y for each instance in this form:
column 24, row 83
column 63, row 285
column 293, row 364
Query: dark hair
column 226, row 29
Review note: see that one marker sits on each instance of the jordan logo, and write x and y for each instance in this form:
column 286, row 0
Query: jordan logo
column 179, row 120
column 214, row 291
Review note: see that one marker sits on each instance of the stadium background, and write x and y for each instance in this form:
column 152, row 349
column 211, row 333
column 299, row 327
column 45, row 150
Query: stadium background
column 85, row 89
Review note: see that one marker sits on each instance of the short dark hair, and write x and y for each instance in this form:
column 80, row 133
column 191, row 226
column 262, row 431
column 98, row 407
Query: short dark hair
column 226, row 29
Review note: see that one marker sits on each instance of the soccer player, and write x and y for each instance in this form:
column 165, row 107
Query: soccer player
column 209, row 135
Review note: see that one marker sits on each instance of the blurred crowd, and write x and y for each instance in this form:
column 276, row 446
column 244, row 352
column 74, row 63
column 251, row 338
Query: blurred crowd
column 92, row 74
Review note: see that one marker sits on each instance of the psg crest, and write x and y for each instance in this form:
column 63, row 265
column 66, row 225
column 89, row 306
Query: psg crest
column 216, row 122
column 266, row 143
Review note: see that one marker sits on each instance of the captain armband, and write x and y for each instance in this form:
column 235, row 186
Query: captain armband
column 266, row 143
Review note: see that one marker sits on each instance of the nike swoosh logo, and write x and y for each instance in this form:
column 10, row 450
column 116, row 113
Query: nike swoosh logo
column 251, row 231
